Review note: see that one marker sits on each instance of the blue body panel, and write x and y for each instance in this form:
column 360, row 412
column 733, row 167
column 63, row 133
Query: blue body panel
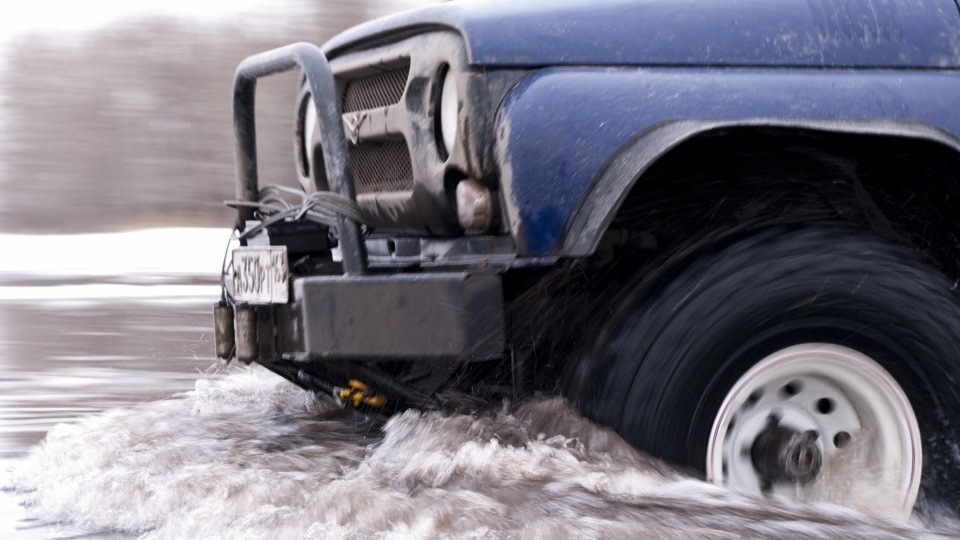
column 559, row 128
column 605, row 72
column 810, row 33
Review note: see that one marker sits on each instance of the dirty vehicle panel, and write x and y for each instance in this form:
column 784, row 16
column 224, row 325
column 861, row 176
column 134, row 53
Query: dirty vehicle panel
column 710, row 225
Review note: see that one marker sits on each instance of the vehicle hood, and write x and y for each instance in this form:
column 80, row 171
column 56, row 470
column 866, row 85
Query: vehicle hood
column 801, row 33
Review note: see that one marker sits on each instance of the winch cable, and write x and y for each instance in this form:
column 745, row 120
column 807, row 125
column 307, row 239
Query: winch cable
column 320, row 207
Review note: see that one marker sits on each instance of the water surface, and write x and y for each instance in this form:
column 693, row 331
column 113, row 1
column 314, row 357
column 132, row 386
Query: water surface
column 116, row 421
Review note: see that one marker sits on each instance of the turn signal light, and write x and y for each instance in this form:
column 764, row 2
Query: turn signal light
column 474, row 206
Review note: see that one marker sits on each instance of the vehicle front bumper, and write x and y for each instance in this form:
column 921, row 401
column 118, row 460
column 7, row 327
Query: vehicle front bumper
column 422, row 317
column 354, row 315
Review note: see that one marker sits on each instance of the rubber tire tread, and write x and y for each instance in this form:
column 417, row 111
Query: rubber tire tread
column 674, row 353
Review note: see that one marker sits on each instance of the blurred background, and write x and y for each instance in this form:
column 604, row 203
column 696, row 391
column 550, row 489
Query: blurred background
column 116, row 154
column 115, row 114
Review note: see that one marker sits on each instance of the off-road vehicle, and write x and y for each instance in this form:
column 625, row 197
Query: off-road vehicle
column 728, row 230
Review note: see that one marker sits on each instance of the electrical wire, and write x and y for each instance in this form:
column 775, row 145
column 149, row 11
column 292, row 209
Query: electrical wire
column 273, row 206
column 323, row 207
column 226, row 294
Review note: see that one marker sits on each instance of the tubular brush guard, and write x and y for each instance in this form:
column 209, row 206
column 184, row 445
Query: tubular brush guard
column 323, row 89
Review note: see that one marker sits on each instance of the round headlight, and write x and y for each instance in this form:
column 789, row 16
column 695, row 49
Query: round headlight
column 309, row 160
column 449, row 110
column 309, row 136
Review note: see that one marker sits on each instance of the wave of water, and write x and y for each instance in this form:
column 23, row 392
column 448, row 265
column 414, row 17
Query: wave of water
column 250, row 456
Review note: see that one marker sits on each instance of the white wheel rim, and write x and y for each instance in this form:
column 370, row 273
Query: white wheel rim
column 834, row 390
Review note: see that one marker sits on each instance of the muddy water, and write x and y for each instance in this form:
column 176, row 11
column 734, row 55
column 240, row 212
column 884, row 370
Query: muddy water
column 116, row 420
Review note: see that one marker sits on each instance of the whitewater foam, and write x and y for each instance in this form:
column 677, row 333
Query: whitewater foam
column 248, row 455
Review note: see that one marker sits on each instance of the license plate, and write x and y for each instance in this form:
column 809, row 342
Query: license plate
column 260, row 275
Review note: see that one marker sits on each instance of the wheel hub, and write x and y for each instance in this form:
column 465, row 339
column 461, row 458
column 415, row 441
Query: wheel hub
column 785, row 455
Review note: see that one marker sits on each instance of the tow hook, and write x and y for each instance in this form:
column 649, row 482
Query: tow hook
column 358, row 393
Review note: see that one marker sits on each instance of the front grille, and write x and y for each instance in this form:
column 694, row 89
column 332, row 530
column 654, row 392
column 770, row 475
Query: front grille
column 380, row 89
column 381, row 166
column 384, row 165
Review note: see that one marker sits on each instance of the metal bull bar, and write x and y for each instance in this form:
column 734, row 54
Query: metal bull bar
column 431, row 316
column 323, row 90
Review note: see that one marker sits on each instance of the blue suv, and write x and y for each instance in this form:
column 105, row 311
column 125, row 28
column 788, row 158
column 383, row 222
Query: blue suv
column 728, row 230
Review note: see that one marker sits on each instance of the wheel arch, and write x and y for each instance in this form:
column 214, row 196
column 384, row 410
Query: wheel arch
column 625, row 174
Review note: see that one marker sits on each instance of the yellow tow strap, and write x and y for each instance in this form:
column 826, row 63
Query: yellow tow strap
column 358, row 393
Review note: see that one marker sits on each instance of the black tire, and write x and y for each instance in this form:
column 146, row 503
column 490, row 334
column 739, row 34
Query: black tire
column 673, row 354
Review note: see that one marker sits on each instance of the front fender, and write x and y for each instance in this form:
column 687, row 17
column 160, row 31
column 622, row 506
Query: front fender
column 571, row 143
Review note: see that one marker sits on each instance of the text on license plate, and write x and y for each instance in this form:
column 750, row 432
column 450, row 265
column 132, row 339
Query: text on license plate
column 260, row 275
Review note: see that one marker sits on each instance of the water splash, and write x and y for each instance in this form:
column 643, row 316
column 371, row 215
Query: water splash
column 249, row 456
